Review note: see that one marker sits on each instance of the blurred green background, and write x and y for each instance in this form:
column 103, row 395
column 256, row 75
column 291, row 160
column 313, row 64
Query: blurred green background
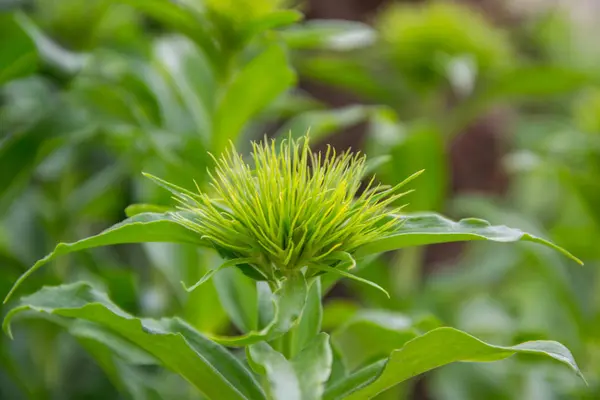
column 498, row 100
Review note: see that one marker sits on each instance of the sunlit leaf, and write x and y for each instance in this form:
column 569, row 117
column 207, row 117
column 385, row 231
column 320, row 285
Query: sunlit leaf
column 205, row 364
column 146, row 227
column 432, row 350
column 303, row 377
column 428, row 228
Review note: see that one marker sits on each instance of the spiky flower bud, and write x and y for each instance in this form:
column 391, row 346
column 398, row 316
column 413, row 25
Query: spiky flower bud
column 289, row 209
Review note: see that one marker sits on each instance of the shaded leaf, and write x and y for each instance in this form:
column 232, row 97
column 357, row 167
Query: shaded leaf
column 288, row 301
column 257, row 84
column 321, row 123
column 19, row 55
column 371, row 335
column 537, row 81
column 237, row 294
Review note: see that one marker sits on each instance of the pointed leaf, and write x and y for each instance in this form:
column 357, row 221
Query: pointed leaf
column 209, row 274
column 18, row 56
column 205, row 364
column 238, row 295
column 434, row 349
column 253, row 88
column 282, row 378
column 313, row 367
column 288, row 302
column 303, row 377
column 371, row 335
column 146, row 227
column 309, row 325
column 347, row 262
column 428, row 228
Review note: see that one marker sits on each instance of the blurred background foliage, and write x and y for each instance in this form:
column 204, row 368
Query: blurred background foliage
column 498, row 100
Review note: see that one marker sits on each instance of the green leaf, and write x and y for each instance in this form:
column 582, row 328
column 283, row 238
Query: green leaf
column 309, row 325
column 18, row 56
column 238, row 296
column 270, row 21
column 140, row 208
column 537, row 81
column 347, row 262
column 330, row 35
column 147, row 227
column 303, row 377
column 227, row 264
column 434, row 349
column 288, row 301
column 322, row 123
column 180, row 18
column 257, row 84
column 371, row 335
column 428, row 228
column 205, row 364
column 50, row 52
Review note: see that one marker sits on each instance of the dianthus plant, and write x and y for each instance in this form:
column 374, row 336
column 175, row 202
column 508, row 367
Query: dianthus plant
column 288, row 218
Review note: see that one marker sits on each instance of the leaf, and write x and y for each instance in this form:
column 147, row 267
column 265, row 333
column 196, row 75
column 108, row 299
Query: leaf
column 205, row 364
column 321, row 123
column 302, row 378
column 309, row 325
column 330, row 35
column 283, row 382
column 19, row 55
column 49, row 51
column 288, row 301
column 537, row 81
column 257, row 84
column 146, row 227
column 428, row 228
column 180, row 18
column 275, row 19
column 237, row 294
column 140, row 208
column 434, row 349
column 229, row 263
column 313, row 367
column 346, row 262
column 371, row 335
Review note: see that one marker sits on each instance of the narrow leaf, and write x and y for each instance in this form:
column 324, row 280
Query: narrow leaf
column 347, row 262
column 313, row 367
column 428, row 228
column 434, row 349
column 205, row 364
column 309, row 325
column 254, row 87
column 209, row 274
column 282, row 378
column 288, row 302
column 303, row 377
column 146, row 227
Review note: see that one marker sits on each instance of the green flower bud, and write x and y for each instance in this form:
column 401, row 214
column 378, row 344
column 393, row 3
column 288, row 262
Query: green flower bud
column 290, row 209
